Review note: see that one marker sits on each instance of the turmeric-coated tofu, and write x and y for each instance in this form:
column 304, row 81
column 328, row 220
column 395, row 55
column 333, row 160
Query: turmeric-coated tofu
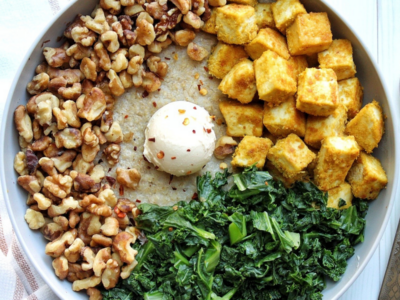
column 298, row 64
column 209, row 25
column 335, row 158
column 276, row 81
column 267, row 39
column 340, row 197
column 318, row 128
column 338, row 57
column 317, row 92
column 240, row 82
column 367, row 126
column 285, row 12
column 242, row 119
column 251, row 150
column 236, row 24
column 264, row 17
column 290, row 155
column 284, row 119
column 367, row 177
column 223, row 58
column 310, row 33
column 288, row 182
column 351, row 96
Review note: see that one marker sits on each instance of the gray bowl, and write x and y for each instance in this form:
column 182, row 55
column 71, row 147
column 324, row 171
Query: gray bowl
column 33, row 242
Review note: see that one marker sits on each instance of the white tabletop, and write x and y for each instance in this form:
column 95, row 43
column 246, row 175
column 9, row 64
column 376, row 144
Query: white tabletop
column 376, row 22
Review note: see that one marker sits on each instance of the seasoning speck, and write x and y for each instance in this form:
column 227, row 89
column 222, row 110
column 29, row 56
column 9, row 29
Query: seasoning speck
column 167, row 58
column 195, row 196
column 121, row 190
column 196, row 76
column 205, row 68
column 194, row 107
column 154, row 104
column 126, row 116
column 134, row 148
column 160, row 155
column 174, row 188
column 188, row 150
column 208, row 130
column 186, row 121
column 181, row 111
column 138, row 201
column 176, row 56
column 145, row 94
column 152, row 139
column 203, row 92
column 173, row 157
column 194, row 131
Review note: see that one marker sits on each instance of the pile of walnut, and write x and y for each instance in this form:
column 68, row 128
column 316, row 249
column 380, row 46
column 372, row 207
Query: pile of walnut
column 68, row 120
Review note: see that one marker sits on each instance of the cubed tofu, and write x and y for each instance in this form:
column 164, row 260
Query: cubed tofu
column 335, row 158
column 275, row 79
column 319, row 128
column 338, row 57
column 244, row 2
column 264, row 17
column 223, row 58
column 367, row 177
column 285, row 119
column 367, row 126
column 251, row 150
column 240, row 82
column 209, row 25
column 287, row 182
column 317, row 92
column 341, row 192
column 242, row 119
column 298, row 64
column 351, row 96
column 267, row 39
column 290, row 155
column 310, row 33
column 236, row 24
column 285, row 12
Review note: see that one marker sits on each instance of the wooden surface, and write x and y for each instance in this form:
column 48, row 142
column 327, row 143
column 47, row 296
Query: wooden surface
column 377, row 23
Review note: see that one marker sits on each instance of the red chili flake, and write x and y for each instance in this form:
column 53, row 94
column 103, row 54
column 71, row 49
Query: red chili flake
column 45, row 42
column 266, row 183
column 111, row 180
column 167, row 58
column 199, row 87
column 154, row 104
column 189, row 172
column 121, row 190
column 208, row 130
column 148, row 167
column 201, row 82
column 188, row 150
column 159, row 89
column 152, row 139
column 194, row 107
column 204, row 129
column 145, row 94
column 156, row 167
column 173, row 157
column 116, row 209
column 194, row 131
column 184, row 190
column 126, row 116
column 170, row 229
column 205, row 68
column 128, row 168
column 121, row 215
column 109, row 169
column 195, row 196
column 138, row 201
column 135, row 148
column 170, row 178
column 210, row 77
column 144, row 157
column 174, row 188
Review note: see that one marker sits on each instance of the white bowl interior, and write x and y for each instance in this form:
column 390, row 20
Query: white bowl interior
column 33, row 242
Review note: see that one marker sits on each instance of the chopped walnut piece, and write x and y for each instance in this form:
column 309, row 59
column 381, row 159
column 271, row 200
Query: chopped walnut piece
column 145, row 31
column 137, row 78
column 157, row 66
column 127, row 270
column 34, row 219
column 159, row 46
column 98, row 24
column 183, row 37
column 134, row 9
column 112, row 153
column 110, row 41
column 94, row 105
column 74, row 219
column 126, row 79
column 88, row 226
column 52, row 151
column 75, row 272
column 183, row 5
column 134, row 64
column 86, row 283
column 31, row 161
column 69, row 138
column 121, row 245
column 80, row 165
column 71, row 93
column 58, row 185
column 113, row 6
column 64, row 161
column 94, row 294
column 43, row 202
column 66, row 205
column 72, row 254
column 156, row 10
column 57, row 247
column 41, row 144
column 71, row 75
column 97, row 173
column 193, row 20
column 85, row 184
column 104, row 58
column 196, row 52
column 128, row 178
column 62, row 221
column 100, row 240
column 96, row 206
column 47, row 165
column 90, row 138
column 114, row 135
column 60, row 265
column 110, row 275
column 51, row 231
column 136, row 50
column 56, row 83
column 29, row 183
column 55, row 57
column 109, row 197
column 110, row 227
column 119, row 63
column 99, row 263
column 125, row 205
column 20, row 163
column 87, row 86
column 37, row 130
column 224, row 147
column 116, row 87
column 151, row 82
column 82, row 35
column 89, row 69
column 89, row 153
column 23, row 123
column 78, row 52
column 38, row 84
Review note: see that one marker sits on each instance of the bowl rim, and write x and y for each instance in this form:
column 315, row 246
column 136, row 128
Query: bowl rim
column 35, row 263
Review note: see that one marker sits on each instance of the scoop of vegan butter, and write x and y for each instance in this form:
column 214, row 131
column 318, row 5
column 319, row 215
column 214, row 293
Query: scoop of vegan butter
column 179, row 138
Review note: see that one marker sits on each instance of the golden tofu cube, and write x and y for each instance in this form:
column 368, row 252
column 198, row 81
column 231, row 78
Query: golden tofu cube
column 244, row 2
column 341, row 192
column 338, row 57
column 317, row 92
column 223, row 58
column 285, row 12
column 351, row 96
column 277, row 175
column 240, row 82
column 310, row 33
column 367, row 126
column 242, row 119
column 290, row 156
column 264, row 17
column 367, row 177
column 251, row 150
column 298, row 64
column 275, row 79
column 335, row 158
column 209, row 25
column 236, row 24
column 319, row 128
column 285, row 119
column 267, row 39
